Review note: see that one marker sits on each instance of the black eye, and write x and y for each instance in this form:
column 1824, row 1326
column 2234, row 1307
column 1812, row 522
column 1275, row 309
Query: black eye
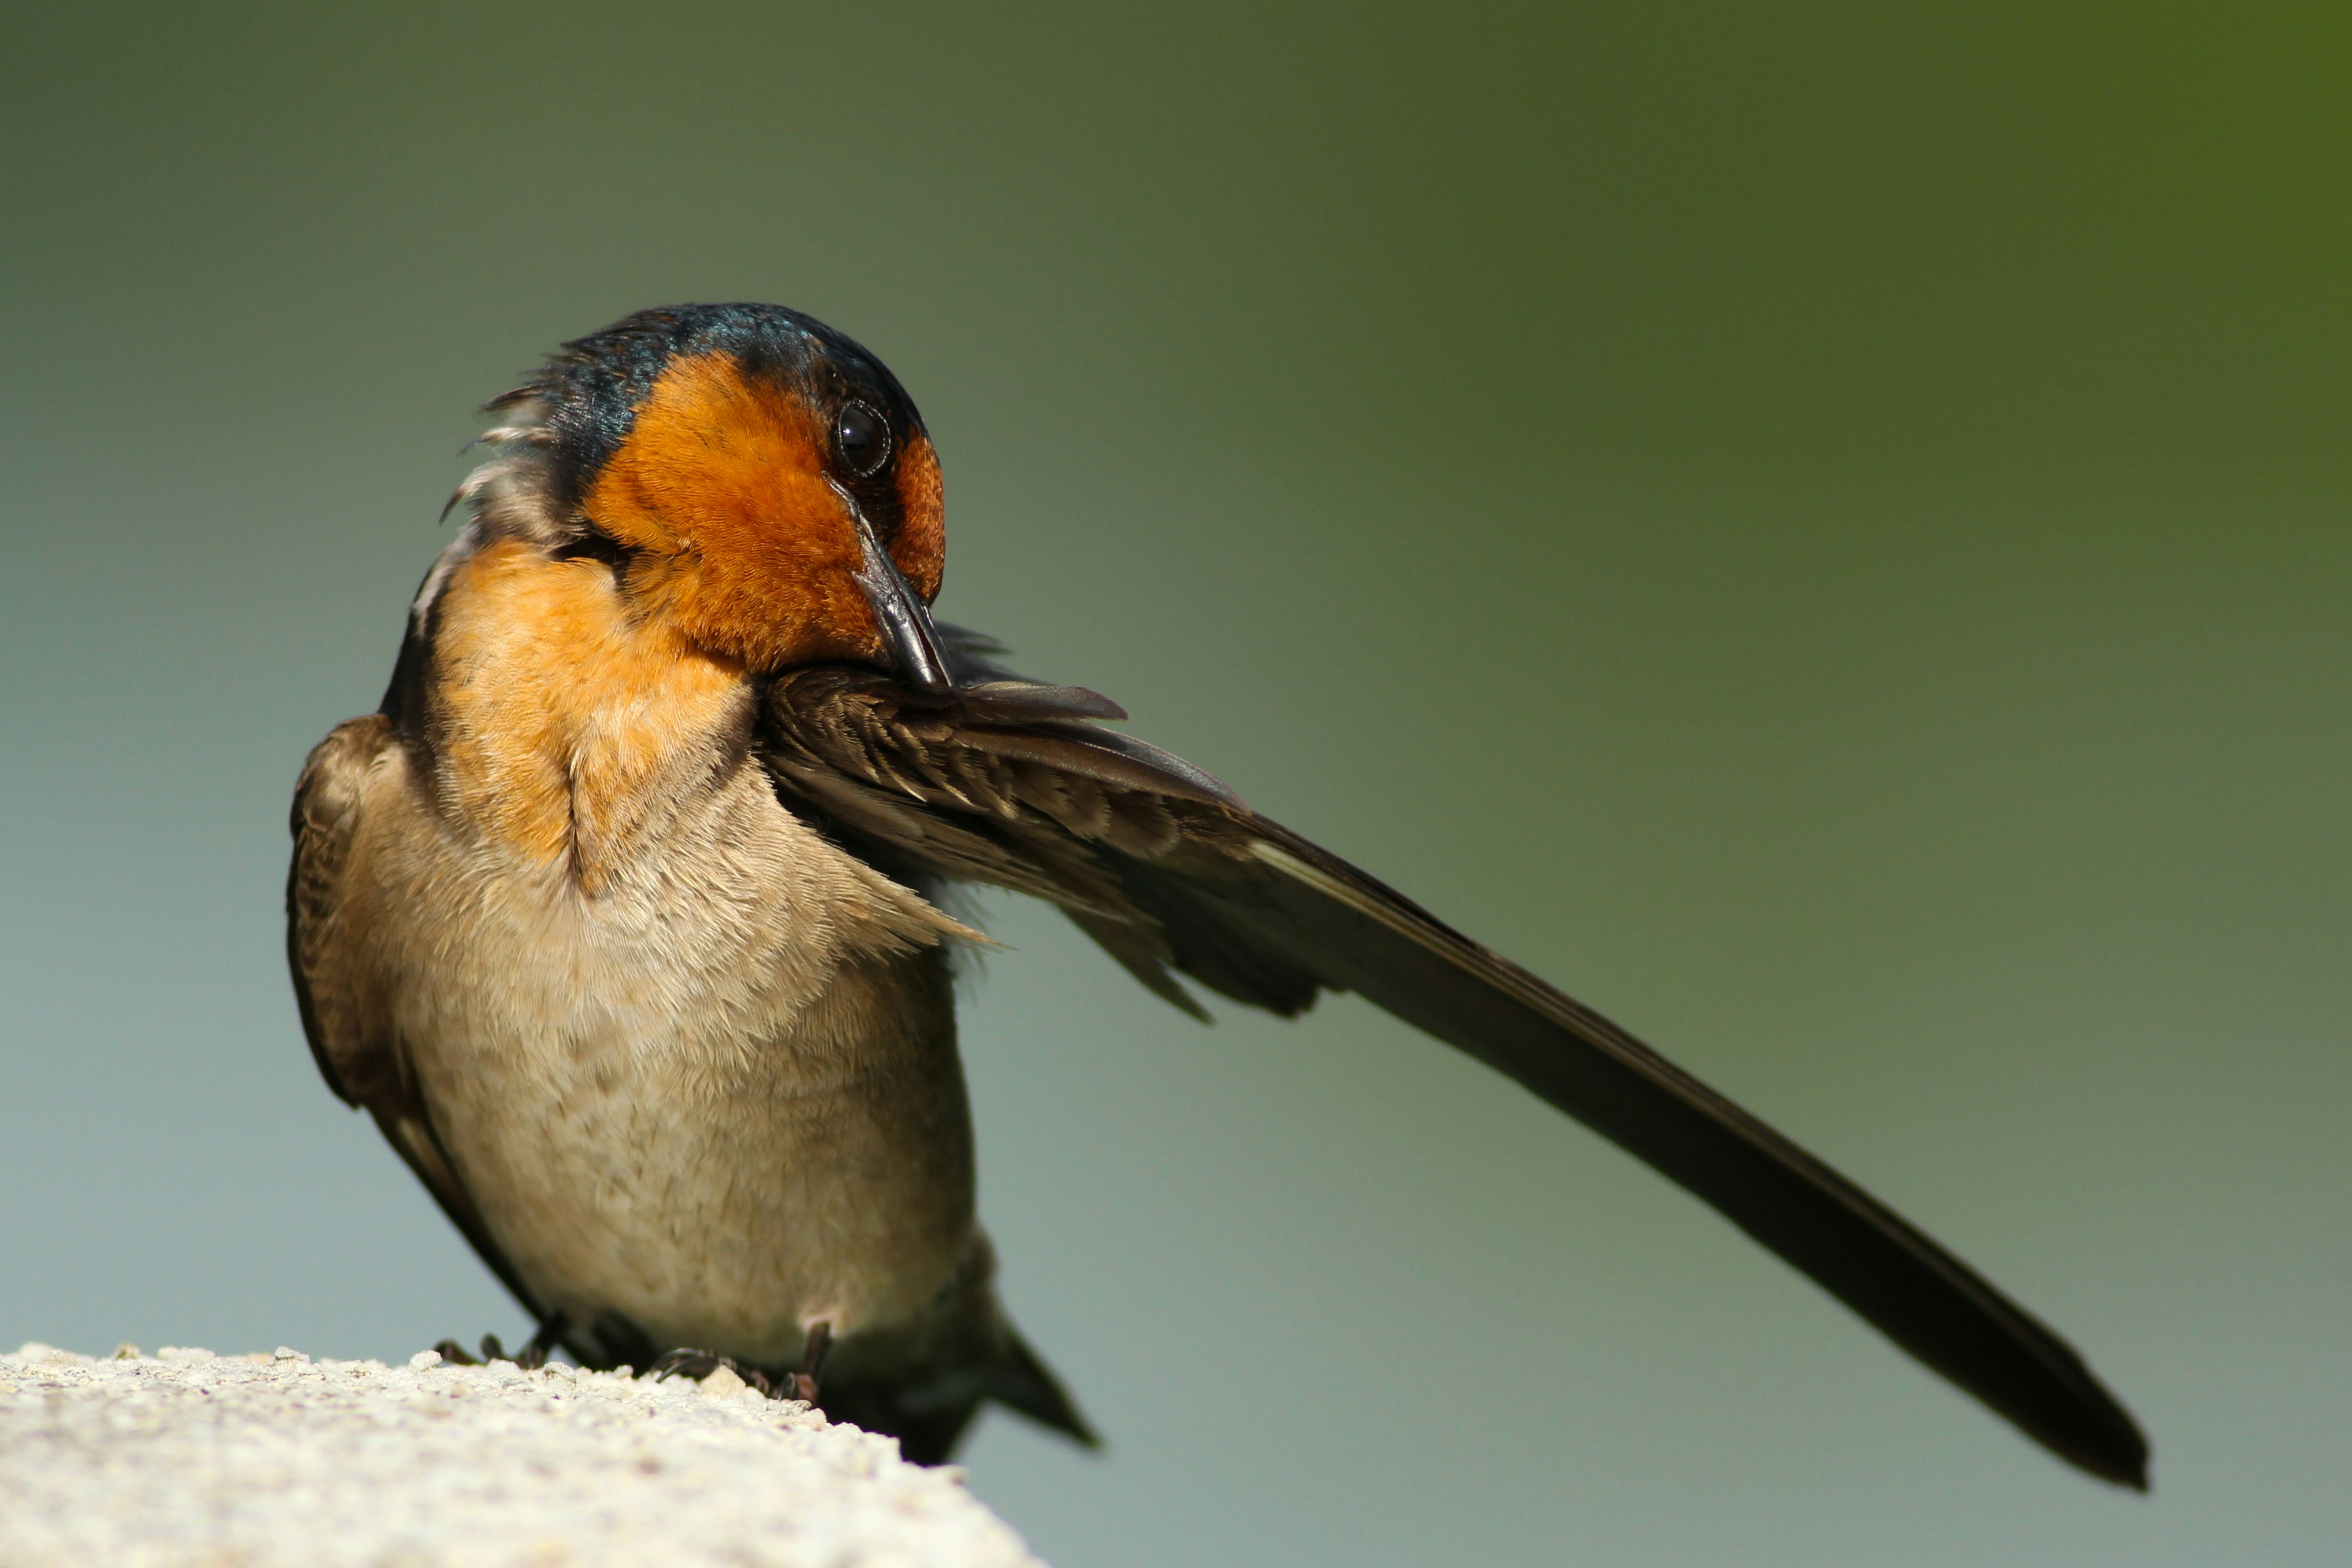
column 862, row 439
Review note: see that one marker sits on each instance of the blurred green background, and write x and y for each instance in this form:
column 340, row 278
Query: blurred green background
column 1822, row 528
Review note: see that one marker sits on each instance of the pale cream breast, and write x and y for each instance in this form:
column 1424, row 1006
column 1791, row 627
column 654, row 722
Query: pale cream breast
column 692, row 1062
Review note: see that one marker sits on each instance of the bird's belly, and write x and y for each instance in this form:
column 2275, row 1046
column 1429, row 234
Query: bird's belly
column 702, row 1109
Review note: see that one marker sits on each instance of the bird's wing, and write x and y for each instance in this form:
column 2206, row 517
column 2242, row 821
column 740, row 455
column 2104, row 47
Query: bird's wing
column 345, row 1011
column 1171, row 874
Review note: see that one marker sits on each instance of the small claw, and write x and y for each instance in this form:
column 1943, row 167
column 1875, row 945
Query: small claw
column 684, row 1361
column 455, row 1353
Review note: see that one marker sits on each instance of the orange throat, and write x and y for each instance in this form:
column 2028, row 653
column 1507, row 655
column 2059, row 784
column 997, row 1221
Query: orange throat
column 566, row 718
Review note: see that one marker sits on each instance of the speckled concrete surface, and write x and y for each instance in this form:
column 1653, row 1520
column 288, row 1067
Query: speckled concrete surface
column 186, row 1457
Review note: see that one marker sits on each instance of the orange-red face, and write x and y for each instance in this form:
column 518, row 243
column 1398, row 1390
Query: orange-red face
column 729, row 492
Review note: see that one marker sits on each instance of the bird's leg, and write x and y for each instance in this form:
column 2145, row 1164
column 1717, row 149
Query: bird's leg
column 456, row 1354
column 687, row 1361
column 533, row 1356
column 813, row 1354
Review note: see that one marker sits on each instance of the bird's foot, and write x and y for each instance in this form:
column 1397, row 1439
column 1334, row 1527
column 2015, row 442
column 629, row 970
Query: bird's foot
column 530, row 1358
column 686, row 1362
column 533, row 1354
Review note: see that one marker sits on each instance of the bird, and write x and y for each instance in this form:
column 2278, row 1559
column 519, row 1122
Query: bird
column 628, row 914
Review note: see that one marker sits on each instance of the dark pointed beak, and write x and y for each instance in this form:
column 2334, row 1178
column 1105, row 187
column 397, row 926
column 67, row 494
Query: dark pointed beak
column 906, row 621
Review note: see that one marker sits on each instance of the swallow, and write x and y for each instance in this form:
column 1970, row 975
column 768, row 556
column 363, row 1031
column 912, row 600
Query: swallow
column 625, row 913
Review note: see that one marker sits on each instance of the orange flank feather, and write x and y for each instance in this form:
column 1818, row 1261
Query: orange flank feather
column 561, row 709
column 743, row 545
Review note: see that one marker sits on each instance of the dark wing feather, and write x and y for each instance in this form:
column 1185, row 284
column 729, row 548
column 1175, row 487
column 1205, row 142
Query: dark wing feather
column 344, row 1015
column 1168, row 870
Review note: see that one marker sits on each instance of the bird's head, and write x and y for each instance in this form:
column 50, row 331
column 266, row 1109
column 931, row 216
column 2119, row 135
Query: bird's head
column 760, row 483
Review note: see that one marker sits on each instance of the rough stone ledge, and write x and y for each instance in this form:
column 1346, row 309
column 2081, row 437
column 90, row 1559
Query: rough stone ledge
column 188, row 1457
